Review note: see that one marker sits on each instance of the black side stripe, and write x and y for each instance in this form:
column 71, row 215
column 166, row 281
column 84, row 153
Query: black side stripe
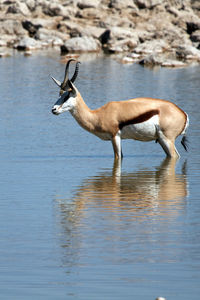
column 142, row 118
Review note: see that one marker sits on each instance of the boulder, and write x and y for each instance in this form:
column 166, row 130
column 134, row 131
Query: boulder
column 122, row 4
column 195, row 36
column 76, row 30
column 30, row 27
column 28, row 43
column 12, row 27
column 3, row 43
column 193, row 25
column 4, row 53
column 50, row 37
column 119, row 46
column 81, row 44
column 170, row 63
column 147, row 3
column 187, row 52
column 53, row 9
column 92, row 31
column 117, row 39
column 18, row 8
column 121, row 33
column 151, row 47
column 82, row 4
column 195, row 5
column 151, row 60
column 8, row 40
column 31, row 4
column 161, row 60
column 105, row 37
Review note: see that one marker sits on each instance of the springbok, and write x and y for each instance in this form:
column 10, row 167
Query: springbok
column 143, row 119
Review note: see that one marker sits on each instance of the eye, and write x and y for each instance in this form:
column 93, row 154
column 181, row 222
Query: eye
column 66, row 97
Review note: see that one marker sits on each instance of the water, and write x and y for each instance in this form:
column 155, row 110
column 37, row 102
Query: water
column 72, row 224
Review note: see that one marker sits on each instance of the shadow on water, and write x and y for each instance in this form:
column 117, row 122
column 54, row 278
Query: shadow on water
column 112, row 199
column 139, row 190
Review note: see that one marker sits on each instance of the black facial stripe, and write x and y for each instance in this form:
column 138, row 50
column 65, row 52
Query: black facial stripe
column 64, row 99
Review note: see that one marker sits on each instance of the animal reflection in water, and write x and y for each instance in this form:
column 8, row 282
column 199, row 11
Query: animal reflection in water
column 145, row 192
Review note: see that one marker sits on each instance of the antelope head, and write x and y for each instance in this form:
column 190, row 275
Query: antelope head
column 68, row 92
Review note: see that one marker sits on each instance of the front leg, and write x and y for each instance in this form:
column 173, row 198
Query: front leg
column 116, row 142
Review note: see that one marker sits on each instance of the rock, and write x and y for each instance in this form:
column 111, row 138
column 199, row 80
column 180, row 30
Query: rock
column 4, row 53
column 116, row 40
column 121, row 33
column 105, row 37
column 91, row 14
column 81, row 44
column 173, row 10
column 23, row 8
column 116, row 26
column 12, row 27
column 13, row 9
column 173, row 64
column 122, row 4
column 124, row 45
column 82, row 4
column 195, row 36
column 151, row 47
column 53, row 9
column 151, row 60
column 3, row 43
column 75, row 30
column 31, row 28
column 128, row 60
column 193, row 26
column 28, row 43
column 57, row 42
column 187, row 52
column 28, row 53
column 50, row 37
column 47, row 23
column 161, row 60
column 70, row 27
column 148, row 3
column 18, row 8
column 195, row 4
column 31, row 4
column 8, row 40
column 135, row 56
column 92, row 31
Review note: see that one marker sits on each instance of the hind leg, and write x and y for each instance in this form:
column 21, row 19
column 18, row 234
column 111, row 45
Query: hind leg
column 167, row 144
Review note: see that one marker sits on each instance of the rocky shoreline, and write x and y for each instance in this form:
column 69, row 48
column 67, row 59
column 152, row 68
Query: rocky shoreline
column 152, row 32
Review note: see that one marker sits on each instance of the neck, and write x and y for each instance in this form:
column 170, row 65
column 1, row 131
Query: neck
column 84, row 115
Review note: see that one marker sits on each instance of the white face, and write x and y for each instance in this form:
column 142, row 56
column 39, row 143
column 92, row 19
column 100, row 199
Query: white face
column 66, row 102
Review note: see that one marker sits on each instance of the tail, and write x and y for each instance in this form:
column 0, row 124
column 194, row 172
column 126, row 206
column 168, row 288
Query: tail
column 184, row 140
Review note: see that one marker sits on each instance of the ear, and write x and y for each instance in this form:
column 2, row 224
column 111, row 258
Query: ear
column 72, row 87
column 56, row 81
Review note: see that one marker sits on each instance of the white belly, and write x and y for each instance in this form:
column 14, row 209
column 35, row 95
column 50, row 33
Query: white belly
column 145, row 131
column 103, row 135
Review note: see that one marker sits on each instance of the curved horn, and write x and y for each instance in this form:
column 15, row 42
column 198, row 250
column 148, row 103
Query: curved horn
column 72, row 87
column 56, row 81
column 75, row 72
column 66, row 78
